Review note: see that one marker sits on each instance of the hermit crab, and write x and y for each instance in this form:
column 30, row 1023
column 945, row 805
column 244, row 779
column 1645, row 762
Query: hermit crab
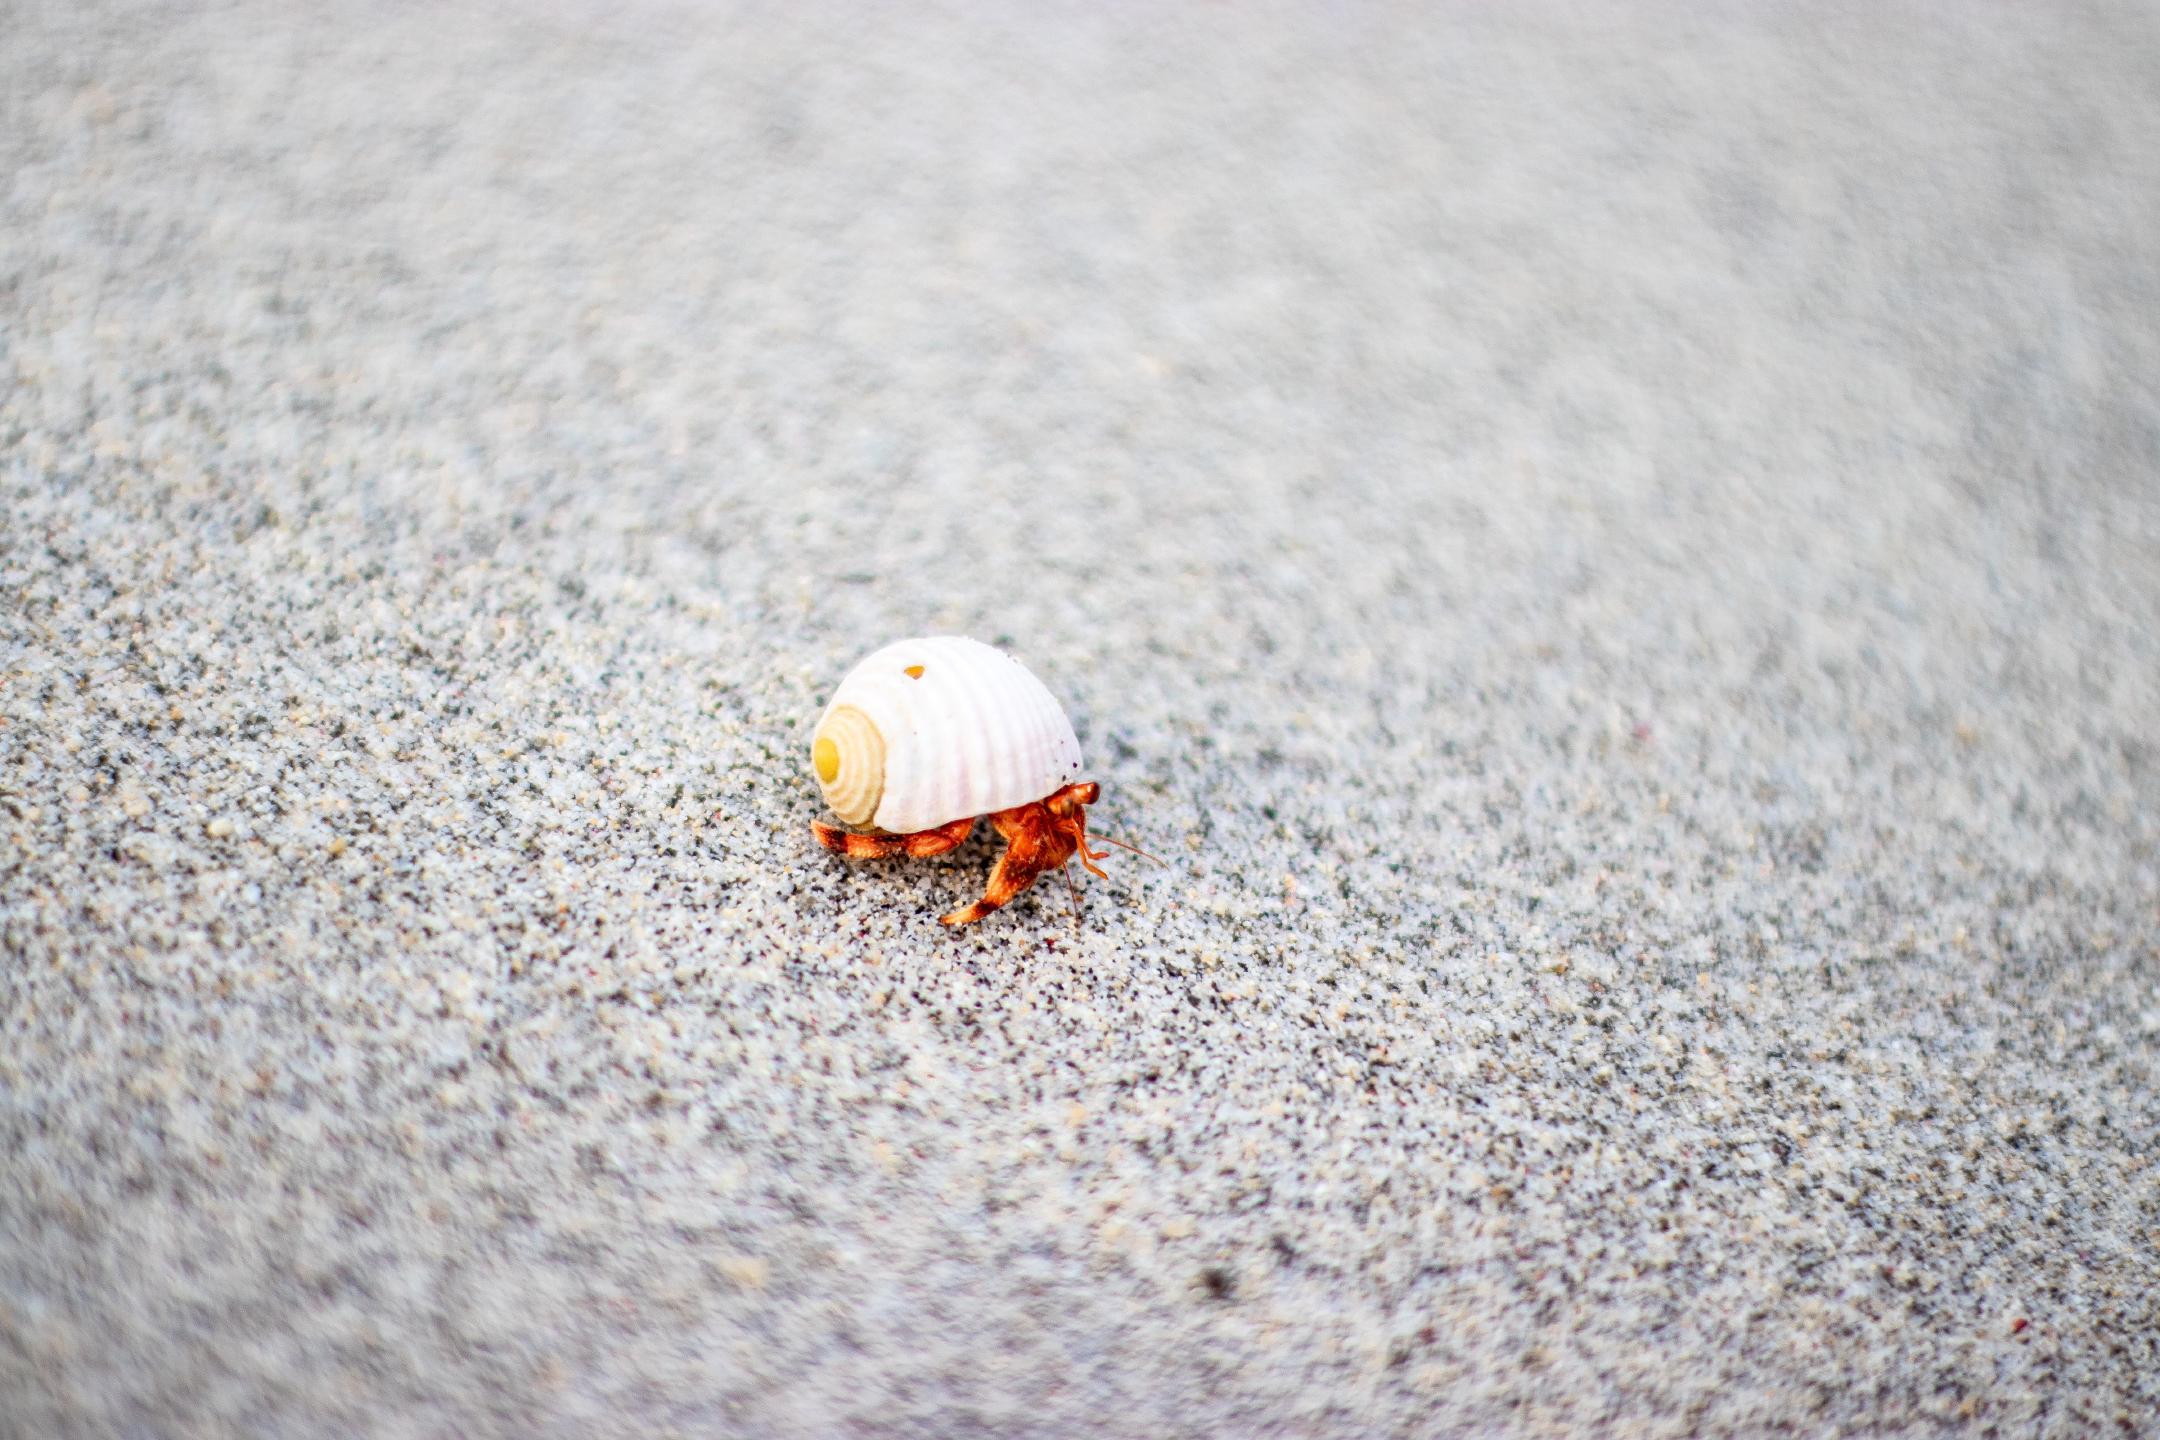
column 926, row 736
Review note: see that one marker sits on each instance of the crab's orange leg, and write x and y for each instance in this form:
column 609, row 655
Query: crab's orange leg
column 921, row 844
column 1076, row 836
column 1033, row 844
column 1088, row 858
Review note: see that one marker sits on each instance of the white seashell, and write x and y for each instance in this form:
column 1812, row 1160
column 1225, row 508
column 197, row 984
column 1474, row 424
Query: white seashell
column 926, row 732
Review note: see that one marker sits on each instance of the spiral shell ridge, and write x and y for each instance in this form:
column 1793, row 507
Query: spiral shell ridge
column 849, row 757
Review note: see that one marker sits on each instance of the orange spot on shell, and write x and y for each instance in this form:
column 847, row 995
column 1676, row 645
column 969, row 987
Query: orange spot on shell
column 913, row 672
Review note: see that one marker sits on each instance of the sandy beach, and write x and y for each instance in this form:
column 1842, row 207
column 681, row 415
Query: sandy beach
column 1614, row 556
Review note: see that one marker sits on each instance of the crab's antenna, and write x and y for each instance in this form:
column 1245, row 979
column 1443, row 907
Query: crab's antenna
column 1108, row 840
column 1074, row 891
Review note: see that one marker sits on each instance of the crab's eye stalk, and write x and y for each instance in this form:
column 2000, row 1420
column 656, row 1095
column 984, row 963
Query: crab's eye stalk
column 849, row 758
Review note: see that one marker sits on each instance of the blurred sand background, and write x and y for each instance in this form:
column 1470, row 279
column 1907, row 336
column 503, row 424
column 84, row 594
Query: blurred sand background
column 1615, row 553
